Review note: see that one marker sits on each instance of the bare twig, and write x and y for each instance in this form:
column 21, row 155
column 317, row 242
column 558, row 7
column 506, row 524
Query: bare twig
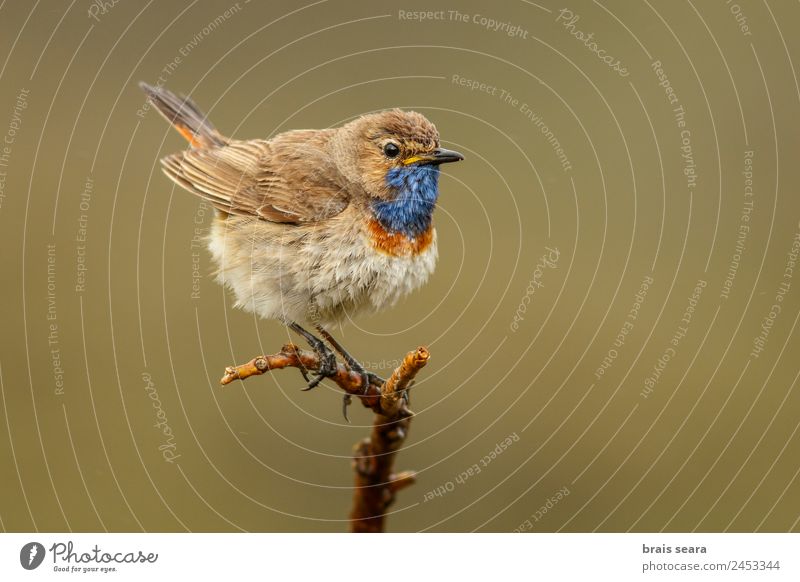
column 373, row 457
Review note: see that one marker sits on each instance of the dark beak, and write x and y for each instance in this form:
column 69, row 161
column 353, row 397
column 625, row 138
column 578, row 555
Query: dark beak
column 443, row 156
column 438, row 156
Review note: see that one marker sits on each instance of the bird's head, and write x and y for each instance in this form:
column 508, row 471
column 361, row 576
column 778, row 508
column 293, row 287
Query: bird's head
column 395, row 157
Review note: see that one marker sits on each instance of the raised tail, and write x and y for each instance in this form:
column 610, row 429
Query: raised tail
column 181, row 112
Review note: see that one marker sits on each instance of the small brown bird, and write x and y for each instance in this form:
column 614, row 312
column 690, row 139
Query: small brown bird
column 315, row 225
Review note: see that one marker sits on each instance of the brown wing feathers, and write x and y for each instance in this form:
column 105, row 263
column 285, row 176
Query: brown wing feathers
column 221, row 175
column 271, row 180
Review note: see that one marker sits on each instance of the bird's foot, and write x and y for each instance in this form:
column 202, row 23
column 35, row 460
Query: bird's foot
column 327, row 367
column 367, row 378
column 354, row 365
column 327, row 359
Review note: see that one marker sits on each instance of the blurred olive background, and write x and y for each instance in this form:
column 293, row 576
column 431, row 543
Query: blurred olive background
column 114, row 331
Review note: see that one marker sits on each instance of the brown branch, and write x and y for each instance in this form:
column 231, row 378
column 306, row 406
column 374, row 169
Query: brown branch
column 291, row 356
column 373, row 458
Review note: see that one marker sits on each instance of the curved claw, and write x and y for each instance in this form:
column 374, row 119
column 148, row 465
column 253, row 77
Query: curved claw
column 314, row 382
column 327, row 369
column 345, row 403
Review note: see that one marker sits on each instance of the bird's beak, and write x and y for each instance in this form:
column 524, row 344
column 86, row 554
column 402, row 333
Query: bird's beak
column 438, row 156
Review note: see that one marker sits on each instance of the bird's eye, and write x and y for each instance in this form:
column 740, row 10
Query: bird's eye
column 391, row 150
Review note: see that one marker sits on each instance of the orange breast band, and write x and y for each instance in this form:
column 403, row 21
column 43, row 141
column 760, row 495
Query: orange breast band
column 398, row 244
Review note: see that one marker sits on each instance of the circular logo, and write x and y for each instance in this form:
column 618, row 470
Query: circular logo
column 31, row 555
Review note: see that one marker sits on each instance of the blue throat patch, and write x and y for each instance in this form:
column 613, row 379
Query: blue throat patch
column 411, row 211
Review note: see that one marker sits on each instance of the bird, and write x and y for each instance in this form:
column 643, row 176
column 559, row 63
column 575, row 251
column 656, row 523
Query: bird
column 315, row 225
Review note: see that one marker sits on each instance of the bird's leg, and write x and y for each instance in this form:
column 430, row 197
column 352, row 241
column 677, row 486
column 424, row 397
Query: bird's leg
column 327, row 360
column 352, row 363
